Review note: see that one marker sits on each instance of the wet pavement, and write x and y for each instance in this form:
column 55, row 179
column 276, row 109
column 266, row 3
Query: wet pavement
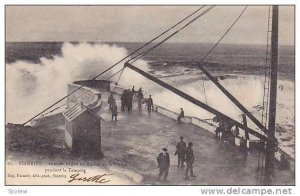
column 138, row 137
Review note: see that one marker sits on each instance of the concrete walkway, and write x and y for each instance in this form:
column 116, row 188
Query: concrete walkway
column 138, row 136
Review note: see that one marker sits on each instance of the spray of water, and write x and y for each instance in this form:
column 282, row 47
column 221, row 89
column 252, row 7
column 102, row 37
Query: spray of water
column 32, row 87
column 215, row 98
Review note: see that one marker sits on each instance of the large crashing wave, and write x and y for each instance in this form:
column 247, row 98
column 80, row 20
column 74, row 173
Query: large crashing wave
column 32, row 87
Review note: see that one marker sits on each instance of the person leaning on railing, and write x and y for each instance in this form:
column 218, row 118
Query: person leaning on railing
column 181, row 115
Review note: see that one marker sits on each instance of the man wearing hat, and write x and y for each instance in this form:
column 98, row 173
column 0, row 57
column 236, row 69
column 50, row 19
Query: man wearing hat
column 180, row 151
column 163, row 161
column 110, row 101
column 189, row 159
column 149, row 103
column 114, row 111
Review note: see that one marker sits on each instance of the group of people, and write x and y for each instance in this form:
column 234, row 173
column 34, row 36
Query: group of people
column 141, row 100
column 185, row 155
column 227, row 128
column 126, row 101
column 228, row 131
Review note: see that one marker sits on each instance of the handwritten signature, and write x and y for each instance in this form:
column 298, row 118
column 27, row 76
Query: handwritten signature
column 96, row 179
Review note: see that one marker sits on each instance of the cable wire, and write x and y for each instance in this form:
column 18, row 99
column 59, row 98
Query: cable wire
column 167, row 38
column 114, row 65
column 114, row 74
column 161, row 42
column 214, row 46
column 116, row 83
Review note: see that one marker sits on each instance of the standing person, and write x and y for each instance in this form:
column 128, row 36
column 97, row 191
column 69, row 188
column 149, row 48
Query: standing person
column 140, row 90
column 227, row 130
column 244, row 148
column 149, row 103
column 140, row 97
column 132, row 91
column 114, row 111
column 123, row 100
column 181, row 115
column 110, row 100
column 129, row 99
column 189, row 159
column 244, row 121
column 284, row 163
column 180, row 151
column 235, row 131
column 163, row 161
column 126, row 100
column 220, row 129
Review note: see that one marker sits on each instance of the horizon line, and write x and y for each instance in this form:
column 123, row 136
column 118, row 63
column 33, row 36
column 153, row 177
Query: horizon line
column 260, row 44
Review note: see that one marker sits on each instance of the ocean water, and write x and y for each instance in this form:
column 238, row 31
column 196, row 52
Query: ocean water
column 37, row 74
column 226, row 58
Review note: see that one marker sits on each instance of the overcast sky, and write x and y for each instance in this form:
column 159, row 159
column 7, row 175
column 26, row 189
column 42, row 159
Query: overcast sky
column 142, row 23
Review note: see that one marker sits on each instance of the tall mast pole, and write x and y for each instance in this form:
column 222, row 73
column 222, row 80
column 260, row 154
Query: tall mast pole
column 271, row 144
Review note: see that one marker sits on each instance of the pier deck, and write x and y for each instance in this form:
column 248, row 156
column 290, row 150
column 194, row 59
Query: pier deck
column 138, row 136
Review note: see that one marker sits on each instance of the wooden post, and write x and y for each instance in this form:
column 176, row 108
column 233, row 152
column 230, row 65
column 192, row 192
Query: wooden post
column 271, row 143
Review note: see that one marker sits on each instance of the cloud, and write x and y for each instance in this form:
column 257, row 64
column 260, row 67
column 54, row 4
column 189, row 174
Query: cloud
column 141, row 23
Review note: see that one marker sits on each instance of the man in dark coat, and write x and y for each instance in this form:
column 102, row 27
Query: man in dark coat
column 163, row 161
column 181, row 115
column 140, row 97
column 123, row 100
column 126, row 97
column 220, row 129
column 284, row 163
column 140, row 90
column 114, row 111
column 244, row 121
column 180, row 151
column 149, row 103
column 244, row 148
column 129, row 100
column 132, row 91
column 189, row 159
column 110, row 101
